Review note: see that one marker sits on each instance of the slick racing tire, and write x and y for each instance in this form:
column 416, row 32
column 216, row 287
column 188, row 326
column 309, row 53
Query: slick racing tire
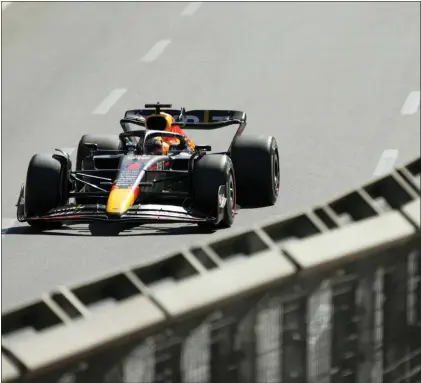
column 210, row 172
column 103, row 142
column 256, row 164
column 43, row 190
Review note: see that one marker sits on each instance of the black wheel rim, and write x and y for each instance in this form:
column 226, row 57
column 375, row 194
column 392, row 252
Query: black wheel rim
column 231, row 194
column 276, row 172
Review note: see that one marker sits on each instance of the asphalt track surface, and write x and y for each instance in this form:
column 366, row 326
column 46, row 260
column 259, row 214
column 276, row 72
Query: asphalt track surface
column 330, row 81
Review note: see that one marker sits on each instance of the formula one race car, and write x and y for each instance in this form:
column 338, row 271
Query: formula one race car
column 118, row 180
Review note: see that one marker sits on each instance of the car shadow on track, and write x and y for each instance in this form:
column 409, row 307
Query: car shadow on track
column 109, row 230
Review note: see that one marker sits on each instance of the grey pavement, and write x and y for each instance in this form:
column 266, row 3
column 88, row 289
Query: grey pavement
column 328, row 80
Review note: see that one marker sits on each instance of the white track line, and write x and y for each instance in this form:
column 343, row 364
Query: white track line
column 109, row 101
column 386, row 162
column 156, row 50
column 5, row 4
column 411, row 104
column 191, row 8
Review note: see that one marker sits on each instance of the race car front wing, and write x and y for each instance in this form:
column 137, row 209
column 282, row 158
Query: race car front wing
column 75, row 214
column 138, row 213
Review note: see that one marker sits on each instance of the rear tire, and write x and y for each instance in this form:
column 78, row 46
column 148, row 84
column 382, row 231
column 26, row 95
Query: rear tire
column 212, row 171
column 103, row 142
column 257, row 171
column 43, row 190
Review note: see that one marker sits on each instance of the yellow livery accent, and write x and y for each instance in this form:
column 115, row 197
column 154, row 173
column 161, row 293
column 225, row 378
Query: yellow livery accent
column 120, row 200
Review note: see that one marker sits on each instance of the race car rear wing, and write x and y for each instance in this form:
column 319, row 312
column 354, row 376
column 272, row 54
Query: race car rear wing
column 189, row 120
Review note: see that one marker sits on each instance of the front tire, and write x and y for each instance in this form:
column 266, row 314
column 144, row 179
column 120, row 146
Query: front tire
column 43, row 190
column 212, row 171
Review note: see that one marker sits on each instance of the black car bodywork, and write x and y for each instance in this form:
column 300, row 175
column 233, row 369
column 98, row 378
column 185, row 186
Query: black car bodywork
column 161, row 186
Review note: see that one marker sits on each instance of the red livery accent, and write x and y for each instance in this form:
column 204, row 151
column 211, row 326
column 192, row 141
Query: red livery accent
column 133, row 166
column 136, row 192
column 63, row 217
column 155, row 167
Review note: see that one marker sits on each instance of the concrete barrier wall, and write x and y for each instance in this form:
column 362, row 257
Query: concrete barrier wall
column 89, row 332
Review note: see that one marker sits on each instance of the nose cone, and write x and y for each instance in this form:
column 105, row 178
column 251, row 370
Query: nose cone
column 120, row 200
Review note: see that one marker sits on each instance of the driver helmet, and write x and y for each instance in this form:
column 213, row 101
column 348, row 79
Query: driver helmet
column 156, row 146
